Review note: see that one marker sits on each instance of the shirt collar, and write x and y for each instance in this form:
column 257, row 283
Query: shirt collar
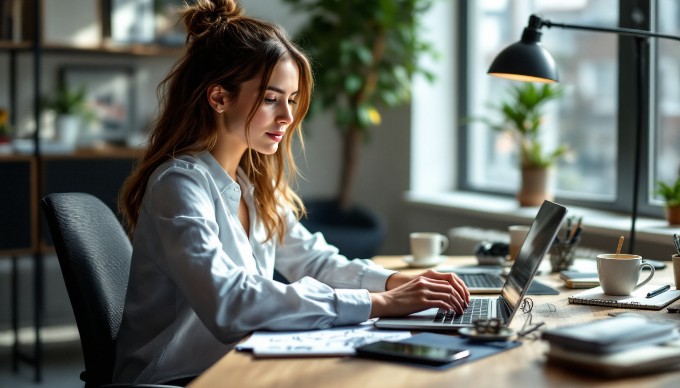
column 222, row 179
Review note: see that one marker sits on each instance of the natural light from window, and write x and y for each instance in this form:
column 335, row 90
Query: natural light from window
column 585, row 119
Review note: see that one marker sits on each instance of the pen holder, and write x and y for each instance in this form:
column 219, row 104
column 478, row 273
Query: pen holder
column 562, row 255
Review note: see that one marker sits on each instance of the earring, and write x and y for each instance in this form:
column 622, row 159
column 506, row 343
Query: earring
column 220, row 110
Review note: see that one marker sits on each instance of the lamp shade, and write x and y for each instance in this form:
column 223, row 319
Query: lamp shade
column 526, row 60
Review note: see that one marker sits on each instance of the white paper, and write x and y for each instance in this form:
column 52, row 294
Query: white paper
column 337, row 341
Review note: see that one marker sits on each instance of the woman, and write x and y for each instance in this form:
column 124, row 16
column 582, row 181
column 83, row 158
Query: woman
column 212, row 215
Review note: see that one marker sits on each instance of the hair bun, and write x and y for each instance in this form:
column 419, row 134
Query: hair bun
column 203, row 15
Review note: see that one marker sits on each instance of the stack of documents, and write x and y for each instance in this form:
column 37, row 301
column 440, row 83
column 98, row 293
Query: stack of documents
column 624, row 345
column 338, row 341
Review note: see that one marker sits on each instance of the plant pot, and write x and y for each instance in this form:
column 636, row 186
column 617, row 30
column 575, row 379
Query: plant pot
column 357, row 232
column 68, row 128
column 673, row 215
column 535, row 187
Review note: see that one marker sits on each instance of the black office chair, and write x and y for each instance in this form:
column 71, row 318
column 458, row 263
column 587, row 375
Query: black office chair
column 94, row 255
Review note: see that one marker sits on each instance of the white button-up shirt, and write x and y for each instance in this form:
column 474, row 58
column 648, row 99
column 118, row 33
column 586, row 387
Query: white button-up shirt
column 198, row 283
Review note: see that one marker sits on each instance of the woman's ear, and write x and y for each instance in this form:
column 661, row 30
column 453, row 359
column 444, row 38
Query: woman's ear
column 217, row 98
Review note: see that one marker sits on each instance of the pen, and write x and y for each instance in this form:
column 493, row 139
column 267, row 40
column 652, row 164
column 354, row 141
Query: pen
column 676, row 240
column 658, row 291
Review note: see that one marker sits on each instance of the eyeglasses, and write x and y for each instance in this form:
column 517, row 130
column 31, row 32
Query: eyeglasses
column 494, row 325
column 528, row 327
column 488, row 326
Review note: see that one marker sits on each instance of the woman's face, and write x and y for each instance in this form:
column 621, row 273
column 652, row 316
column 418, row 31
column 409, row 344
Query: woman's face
column 274, row 115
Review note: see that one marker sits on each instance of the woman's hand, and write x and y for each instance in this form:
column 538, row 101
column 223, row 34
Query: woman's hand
column 407, row 294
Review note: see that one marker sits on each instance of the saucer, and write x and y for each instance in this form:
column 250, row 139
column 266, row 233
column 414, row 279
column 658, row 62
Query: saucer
column 471, row 333
column 424, row 263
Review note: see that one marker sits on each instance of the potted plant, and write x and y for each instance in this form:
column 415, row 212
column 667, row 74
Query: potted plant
column 671, row 195
column 521, row 117
column 364, row 54
column 70, row 108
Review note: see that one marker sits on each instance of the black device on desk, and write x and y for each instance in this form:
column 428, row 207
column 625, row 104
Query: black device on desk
column 400, row 351
column 655, row 263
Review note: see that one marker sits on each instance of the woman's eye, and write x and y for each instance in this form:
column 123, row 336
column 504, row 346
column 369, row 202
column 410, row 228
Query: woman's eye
column 270, row 100
column 292, row 102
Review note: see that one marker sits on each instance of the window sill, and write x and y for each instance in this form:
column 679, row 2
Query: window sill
column 506, row 210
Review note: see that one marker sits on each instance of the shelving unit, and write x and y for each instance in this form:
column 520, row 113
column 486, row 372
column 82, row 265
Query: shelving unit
column 100, row 170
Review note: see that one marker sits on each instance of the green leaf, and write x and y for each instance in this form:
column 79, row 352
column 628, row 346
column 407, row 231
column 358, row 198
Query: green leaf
column 670, row 193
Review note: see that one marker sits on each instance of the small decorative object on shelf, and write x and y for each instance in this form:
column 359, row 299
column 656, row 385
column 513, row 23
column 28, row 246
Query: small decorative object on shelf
column 5, row 132
column 132, row 21
column 110, row 98
column 5, row 127
column 69, row 106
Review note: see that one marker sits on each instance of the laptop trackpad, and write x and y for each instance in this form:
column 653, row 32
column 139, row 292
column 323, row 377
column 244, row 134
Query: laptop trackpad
column 425, row 313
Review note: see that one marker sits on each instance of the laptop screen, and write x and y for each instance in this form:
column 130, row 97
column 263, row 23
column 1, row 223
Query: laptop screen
column 537, row 243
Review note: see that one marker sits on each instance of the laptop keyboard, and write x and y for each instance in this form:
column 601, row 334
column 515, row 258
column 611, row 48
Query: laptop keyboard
column 482, row 280
column 478, row 308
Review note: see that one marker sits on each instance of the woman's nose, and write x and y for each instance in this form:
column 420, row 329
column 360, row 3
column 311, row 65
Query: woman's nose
column 286, row 114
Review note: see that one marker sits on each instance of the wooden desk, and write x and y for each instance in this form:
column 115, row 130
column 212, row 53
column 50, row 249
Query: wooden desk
column 523, row 366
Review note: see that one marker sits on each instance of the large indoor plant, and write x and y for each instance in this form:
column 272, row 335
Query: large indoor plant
column 364, row 54
column 522, row 117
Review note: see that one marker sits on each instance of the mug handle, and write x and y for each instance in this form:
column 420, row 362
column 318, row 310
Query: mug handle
column 651, row 274
column 444, row 243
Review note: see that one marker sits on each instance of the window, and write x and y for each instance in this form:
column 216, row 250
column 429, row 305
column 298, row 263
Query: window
column 593, row 118
column 666, row 150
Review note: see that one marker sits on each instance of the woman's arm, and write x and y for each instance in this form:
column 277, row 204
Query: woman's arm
column 407, row 294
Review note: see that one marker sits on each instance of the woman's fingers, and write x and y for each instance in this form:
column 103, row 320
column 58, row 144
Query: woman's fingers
column 452, row 279
column 427, row 290
column 435, row 293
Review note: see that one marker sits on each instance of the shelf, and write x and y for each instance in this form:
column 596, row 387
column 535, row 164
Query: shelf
column 104, row 151
column 143, row 50
column 12, row 45
column 139, row 50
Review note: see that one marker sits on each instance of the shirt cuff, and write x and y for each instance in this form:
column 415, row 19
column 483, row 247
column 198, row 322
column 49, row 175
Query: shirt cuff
column 353, row 307
column 375, row 278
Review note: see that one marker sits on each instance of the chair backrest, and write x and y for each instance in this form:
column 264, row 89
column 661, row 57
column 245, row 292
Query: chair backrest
column 94, row 254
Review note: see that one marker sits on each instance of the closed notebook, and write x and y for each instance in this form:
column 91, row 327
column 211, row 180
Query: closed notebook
column 637, row 300
column 611, row 335
column 578, row 279
column 639, row 360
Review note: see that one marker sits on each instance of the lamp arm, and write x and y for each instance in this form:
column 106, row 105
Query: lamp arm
column 615, row 30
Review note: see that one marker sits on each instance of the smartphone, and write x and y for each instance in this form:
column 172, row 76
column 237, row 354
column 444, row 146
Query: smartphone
column 426, row 354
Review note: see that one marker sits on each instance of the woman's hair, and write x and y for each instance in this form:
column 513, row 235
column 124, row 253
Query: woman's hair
column 226, row 48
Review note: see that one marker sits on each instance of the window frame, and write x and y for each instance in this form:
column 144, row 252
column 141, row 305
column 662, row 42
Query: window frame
column 629, row 12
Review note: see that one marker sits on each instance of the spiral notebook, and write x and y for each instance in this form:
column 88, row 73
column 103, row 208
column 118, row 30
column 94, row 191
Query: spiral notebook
column 637, row 300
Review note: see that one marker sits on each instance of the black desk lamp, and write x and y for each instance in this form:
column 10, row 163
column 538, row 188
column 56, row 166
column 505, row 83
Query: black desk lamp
column 528, row 61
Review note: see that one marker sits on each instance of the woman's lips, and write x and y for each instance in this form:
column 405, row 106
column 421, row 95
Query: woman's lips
column 276, row 136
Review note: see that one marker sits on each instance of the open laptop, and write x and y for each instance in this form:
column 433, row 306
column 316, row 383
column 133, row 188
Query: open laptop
column 539, row 239
column 490, row 280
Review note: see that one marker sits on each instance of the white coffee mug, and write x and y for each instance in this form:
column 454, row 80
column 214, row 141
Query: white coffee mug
column 619, row 274
column 427, row 246
column 676, row 270
column 518, row 233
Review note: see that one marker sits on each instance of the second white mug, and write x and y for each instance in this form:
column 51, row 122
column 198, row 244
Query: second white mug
column 426, row 246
